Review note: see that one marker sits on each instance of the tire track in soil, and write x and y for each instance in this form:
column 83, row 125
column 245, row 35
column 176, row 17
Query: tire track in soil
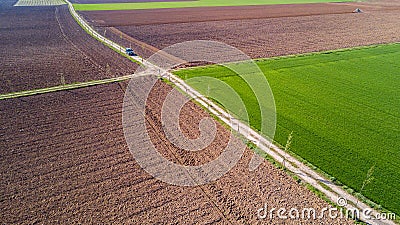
column 56, row 14
column 38, row 47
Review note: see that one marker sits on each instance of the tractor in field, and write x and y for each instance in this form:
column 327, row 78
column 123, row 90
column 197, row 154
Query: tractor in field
column 130, row 52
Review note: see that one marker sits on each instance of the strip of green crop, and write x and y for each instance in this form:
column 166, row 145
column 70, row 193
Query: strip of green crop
column 63, row 87
column 187, row 4
column 343, row 108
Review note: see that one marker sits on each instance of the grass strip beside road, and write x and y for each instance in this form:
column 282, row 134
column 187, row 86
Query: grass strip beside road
column 63, row 87
column 189, row 4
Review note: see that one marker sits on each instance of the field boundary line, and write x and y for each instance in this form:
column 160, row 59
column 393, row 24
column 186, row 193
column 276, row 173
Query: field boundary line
column 308, row 175
column 340, row 50
column 114, row 46
column 63, row 87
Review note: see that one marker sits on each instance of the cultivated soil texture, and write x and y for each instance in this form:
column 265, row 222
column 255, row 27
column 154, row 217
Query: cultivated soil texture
column 42, row 46
column 259, row 31
column 203, row 14
column 64, row 159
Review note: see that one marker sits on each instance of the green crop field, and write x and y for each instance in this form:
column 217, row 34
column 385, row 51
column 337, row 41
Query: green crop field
column 185, row 4
column 343, row 108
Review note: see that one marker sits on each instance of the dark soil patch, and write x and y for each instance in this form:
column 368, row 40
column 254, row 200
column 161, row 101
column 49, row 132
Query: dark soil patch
column 40, row 45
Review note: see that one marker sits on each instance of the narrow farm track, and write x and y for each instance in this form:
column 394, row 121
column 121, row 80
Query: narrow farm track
column 143, row 46
column 64, row 87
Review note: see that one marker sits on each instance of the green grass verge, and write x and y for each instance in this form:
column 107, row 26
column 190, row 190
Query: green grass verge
column 187, row 4
column 63, row 87
column 343, row 107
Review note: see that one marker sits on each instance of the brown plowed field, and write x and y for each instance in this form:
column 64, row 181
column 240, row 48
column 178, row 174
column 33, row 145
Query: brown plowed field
column 64, row 160
column 203, row 14
column 295, row 31
column 39, row 45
